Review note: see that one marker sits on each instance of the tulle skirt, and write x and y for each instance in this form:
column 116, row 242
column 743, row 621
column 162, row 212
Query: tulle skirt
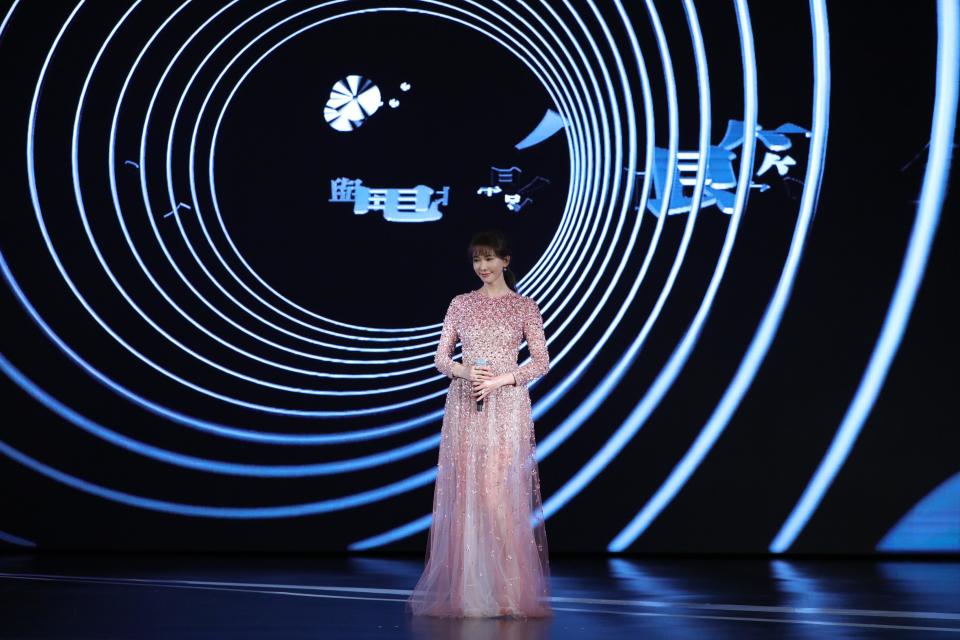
column 487, row 546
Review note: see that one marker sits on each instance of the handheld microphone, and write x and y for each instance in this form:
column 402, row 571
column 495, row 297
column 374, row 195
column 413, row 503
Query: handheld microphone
column 479, row 362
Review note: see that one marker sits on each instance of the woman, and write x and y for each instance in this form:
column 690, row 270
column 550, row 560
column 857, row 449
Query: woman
column 487, row 546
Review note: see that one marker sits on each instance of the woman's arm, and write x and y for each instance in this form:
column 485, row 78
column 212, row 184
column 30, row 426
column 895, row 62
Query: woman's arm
column 448, row 342
column 537, row 343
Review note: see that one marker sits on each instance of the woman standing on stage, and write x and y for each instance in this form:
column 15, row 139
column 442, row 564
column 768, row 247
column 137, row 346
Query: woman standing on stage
column 487, row 547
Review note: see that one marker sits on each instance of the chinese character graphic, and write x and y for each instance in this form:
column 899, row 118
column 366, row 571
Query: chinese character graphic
column 720, row 181
column 417, row 204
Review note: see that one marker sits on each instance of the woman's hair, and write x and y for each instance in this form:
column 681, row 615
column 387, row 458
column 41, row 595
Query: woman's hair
column 493, row 240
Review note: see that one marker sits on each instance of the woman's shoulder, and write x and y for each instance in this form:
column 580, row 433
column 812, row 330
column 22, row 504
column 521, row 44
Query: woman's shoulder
column 460, row 300
column 527, row 301
column 523, row 305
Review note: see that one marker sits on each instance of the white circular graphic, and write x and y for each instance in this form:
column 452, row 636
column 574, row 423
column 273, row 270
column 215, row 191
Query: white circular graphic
column 352, row 101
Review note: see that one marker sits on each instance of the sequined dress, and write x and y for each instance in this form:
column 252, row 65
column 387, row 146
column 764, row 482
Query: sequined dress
column 487, row 546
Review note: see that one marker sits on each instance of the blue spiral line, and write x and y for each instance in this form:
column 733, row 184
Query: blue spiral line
column 212, row 511
column 582, row 188
column 626, row 432
column 319, row 439
column 295, row 510
column 929, row 207
column 200, row 217
column 9, row 538
column 216, row 466
column 560, row 434
column 79, row 199
column 288, row 440
column 80, row 204
column 150, row 277
column 111, row 165
column 206, row 464
column 564, row 243
column 107, row 493
column 762, row 339
column 618, row 173
column 314, row 392
column 72, row 286
column 575, row 185
column 206, row 425
column 192, row 155
column 546, row 275
column 210, row 427
column 221, row 75
column 7, row 15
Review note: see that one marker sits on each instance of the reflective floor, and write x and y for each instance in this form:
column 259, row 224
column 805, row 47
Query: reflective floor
column 193, row 596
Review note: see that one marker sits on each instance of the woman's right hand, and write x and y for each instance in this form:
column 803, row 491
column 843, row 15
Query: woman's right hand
column 476, row 373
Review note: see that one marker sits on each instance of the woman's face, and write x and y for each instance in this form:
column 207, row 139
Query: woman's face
column 488, row 266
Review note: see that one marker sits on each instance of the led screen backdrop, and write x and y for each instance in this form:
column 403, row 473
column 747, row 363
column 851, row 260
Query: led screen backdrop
column 231, row 231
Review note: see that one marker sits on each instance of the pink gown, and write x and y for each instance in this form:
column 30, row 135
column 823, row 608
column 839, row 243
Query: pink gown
column 487, row 546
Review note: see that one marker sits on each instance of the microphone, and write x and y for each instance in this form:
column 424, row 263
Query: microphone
column 479, row 362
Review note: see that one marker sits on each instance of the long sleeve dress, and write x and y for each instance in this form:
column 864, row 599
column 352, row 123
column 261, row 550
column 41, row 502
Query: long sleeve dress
column 487, row 546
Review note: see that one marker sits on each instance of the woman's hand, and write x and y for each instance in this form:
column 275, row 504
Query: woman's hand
column 477, row 372
column 473, row 373
column 485, row 382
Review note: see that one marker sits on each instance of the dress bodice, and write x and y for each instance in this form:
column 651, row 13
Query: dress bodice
column 494, row 329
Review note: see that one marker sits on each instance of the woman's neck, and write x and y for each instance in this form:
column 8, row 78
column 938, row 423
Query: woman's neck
column 495, row 291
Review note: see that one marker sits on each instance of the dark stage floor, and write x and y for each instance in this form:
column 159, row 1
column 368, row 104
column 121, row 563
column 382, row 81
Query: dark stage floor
column 191, row 596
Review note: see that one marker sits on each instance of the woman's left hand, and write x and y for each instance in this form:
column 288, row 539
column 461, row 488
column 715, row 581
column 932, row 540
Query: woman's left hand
column 484, row 388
